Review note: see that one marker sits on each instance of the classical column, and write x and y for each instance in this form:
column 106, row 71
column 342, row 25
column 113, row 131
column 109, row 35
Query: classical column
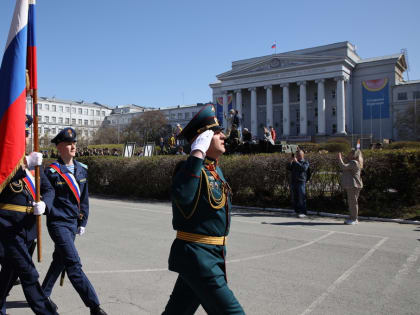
column 225, row 109
column 321, row 106
column 286, row 109
column 239, row 101
column 269, row 105
column 254, row 117
column 341, row 110
column 302, row 109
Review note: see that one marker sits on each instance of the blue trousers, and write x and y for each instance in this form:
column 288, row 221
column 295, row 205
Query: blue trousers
column 65, row 256
column 212, row 293
column 299, row 197
column 18, row 262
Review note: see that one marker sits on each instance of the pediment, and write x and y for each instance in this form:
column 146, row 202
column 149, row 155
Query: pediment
column 277, row 62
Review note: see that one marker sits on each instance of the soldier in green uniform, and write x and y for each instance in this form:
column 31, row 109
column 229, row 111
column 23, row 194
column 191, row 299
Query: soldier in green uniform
column 201, row 203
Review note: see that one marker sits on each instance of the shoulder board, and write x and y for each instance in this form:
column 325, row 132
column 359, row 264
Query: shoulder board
column 83, row 165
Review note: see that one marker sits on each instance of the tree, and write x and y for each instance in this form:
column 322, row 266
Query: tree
column 106, row 135
column 148, row 126
column 407, row 123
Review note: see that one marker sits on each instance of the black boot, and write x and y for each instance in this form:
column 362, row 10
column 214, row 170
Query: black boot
column 97, row 311
column 54, row 306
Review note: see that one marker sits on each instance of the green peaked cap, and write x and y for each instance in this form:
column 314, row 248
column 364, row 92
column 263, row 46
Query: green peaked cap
column 204, row 120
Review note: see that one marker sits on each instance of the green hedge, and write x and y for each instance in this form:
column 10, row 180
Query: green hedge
column 391, row 180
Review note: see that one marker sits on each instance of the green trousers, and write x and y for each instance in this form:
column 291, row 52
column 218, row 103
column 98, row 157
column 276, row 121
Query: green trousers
column 212, row 293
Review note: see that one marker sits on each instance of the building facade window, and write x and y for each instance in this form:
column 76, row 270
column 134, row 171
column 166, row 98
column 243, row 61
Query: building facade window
column 60, row 109
column 97, row 113
column 86, row 122
column 334, row 111
column 92, row 112
column 316, row 111
column 40, row 118
column 103, row 113
column 334, row 128
column 85, row 112
column 73, row 121
column 46, row 106
column 92, row 123
column 402, row 96
column 332, row 93
column 60, row 120
column 316, row 96
column 79, row 111
column 53, row 131
column 297, row 115
column 416, row 95
column 53, row 120
column 54, row 108
column 79, row 121
column 47, row 119
column 179, row 115
column 67, row 109
column 73, row 110
column 67, row 121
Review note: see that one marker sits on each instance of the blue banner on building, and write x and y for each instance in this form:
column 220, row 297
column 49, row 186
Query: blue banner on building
column 375, row 99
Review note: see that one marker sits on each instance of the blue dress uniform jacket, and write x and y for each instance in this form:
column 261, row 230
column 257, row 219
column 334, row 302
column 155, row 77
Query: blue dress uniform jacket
column 65, row 209
column 17, row 232
column 63, row 220
column 201, row 202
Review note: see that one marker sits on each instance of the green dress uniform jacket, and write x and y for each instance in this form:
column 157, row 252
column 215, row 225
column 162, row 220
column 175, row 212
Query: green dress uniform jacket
column 201, row 202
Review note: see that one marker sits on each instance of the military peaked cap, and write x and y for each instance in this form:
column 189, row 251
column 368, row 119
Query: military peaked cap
column 65, row 135
column 204, row 120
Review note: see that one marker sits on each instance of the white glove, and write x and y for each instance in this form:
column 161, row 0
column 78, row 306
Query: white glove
column 34, row 159
column 39, row 207
column 203, row 141
column 81, row 230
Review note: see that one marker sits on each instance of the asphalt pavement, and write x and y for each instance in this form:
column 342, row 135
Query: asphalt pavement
column 277, row 264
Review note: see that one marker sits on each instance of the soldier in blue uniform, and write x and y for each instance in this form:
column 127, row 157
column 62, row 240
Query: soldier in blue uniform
column 201, row 203
column 68, row 216
column 18, row 232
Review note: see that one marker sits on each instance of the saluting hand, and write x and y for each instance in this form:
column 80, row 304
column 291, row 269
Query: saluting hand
column 202, row 143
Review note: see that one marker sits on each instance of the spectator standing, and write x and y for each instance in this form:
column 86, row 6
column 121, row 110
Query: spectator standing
column 161, row 145
column 351, row 182
column 178, row 130
column 299, row 168
column 247, row 136
column 172, row 141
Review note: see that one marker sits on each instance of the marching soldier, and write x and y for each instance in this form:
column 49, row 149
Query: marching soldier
column 18, row 232
column 201, row 203
column 68, row 217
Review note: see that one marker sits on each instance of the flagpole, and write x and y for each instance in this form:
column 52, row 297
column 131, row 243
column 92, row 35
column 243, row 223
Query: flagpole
column 37, row 173
column 31, row 64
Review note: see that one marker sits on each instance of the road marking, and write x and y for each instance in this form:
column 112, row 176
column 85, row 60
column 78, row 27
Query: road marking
column 125, row 271
column 282, row 251
column 229, row 261
column 311, row 229
column 343, row 277
column 403, row 272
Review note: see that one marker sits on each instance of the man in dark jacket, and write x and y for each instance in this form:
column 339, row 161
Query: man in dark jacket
column 299, row 167
column 18, row 211
column 68, row 216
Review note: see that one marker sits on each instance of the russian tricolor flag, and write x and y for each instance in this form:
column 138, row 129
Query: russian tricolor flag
column 13, row 95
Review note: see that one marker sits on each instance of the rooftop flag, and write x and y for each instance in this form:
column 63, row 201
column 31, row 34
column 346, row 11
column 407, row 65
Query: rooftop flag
column 13, row 95
column 274, row 46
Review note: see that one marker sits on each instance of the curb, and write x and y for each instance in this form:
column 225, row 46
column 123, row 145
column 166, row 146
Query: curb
column 330, row 215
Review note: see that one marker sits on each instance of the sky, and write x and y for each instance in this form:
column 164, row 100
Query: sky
column 166, row 53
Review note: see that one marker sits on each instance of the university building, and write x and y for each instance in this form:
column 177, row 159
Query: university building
column 318, row 92
column 55, row 114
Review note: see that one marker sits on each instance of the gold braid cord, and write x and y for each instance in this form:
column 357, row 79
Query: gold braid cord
column 195, row 204
column 7, row 180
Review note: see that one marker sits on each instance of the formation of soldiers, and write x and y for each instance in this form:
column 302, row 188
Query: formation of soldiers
column 201, row 203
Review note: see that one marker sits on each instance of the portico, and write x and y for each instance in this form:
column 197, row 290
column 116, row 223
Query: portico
column 299, row 93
